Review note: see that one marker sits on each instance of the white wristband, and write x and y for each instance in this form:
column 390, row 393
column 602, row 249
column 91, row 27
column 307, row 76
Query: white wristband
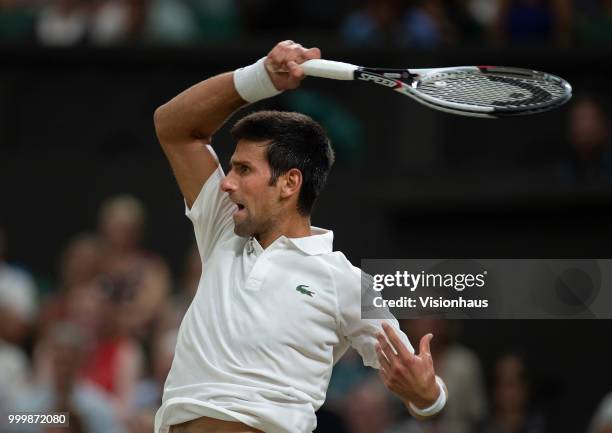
column 253, row 82
column 434, row 408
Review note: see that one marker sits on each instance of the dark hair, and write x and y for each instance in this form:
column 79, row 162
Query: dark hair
column 296, row 141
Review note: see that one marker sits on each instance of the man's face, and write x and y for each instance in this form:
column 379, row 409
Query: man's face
column 248, row 185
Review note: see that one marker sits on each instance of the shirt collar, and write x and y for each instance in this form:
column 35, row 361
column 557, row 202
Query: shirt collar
column 319, row 242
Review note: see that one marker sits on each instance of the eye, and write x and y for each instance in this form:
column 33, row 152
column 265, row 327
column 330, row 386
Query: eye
column 240, row 169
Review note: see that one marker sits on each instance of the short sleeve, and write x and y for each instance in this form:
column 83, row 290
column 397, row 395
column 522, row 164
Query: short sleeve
column 361, row 333
column 211, row 213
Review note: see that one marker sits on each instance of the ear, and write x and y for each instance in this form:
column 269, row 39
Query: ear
column 291, row 182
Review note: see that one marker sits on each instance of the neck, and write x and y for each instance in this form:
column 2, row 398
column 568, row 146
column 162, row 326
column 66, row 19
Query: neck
column 295, row 226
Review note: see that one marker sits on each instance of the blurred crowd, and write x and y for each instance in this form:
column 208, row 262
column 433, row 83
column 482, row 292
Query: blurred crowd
column 100, row 343
column 422, row 24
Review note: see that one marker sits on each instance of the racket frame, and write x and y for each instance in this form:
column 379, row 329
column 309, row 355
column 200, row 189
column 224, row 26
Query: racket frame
column 406, row 82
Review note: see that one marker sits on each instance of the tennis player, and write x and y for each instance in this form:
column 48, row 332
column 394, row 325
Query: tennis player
column 275, row 306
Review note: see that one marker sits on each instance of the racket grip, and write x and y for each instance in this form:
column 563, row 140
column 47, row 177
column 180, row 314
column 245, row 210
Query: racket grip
column 329, row 69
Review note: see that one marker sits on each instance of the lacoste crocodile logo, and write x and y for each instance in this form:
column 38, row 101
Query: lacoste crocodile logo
column 302, row 289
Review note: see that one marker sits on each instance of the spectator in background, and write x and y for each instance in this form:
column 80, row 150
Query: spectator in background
column 170, row 22
column 135, row 288
column 427, row 25
column 108, row 22
column 16, row 311
column 534, row 21
column 118, row 21
column 163, row 21
column 16, row 20
column 484, row 12
column 460, row 369
column 602, row 419
column 589, row 162
column 138, row 281
column 510, row 395
column 115, row 363
column 418, row 23
column 114, row 360
column 62, row 23
column 62, row 352
column 121, row 220
column 378, row 23
column 79, row 297
column 18, row 303
column 14, row 366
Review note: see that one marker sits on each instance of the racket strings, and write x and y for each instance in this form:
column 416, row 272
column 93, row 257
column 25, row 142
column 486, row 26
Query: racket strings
column 491, row 91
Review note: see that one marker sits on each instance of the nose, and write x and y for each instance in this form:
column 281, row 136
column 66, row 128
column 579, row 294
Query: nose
column 227, row 184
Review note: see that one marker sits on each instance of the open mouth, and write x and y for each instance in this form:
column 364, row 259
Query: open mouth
column 239, row 208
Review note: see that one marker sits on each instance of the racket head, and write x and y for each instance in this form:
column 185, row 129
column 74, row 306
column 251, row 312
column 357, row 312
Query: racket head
column 488, row 91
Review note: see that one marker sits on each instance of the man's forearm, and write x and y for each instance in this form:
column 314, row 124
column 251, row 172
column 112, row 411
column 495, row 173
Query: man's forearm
column 198, row 111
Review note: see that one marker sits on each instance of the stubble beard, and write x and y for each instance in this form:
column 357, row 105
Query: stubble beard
column 248, row 227
column 243, row 229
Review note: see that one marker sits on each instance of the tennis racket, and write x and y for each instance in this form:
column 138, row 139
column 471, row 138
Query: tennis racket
column 477, row 91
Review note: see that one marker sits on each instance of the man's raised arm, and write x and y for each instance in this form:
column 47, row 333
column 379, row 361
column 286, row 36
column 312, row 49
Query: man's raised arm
column 185, row 124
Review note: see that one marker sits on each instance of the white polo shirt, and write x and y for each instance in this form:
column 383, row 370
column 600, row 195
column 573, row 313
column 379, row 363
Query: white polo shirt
column 258, row 343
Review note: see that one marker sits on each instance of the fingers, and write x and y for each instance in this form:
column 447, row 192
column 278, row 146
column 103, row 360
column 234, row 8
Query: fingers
column 295, row 70
column 288, row 51
column 312, row 53
column 424, row 345
column 382, row 359
column 386, row 348
column 384, row 375
column 397, row 343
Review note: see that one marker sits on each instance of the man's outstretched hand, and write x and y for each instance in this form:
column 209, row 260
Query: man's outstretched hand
column 282, row 64
column 410, row 376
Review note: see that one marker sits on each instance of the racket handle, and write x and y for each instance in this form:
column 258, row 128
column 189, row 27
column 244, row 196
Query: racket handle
column 329, row 69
